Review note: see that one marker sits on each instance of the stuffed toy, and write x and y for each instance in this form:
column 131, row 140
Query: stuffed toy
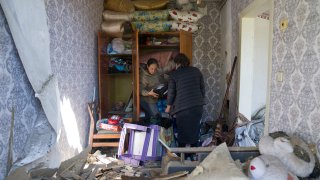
column 291, row 151
column 267, row 167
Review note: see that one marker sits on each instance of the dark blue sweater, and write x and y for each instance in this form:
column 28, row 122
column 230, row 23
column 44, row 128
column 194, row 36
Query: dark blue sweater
column 185, row 89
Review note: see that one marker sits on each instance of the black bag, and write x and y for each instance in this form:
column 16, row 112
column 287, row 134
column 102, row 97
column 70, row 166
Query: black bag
column 161, row 90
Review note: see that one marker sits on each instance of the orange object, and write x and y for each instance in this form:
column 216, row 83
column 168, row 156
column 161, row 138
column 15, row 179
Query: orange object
column 114, row 128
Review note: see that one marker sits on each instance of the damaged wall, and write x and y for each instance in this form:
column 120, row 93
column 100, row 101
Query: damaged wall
column 16, row 92
column 294, row 105
column 73, row 26
column 207, row 57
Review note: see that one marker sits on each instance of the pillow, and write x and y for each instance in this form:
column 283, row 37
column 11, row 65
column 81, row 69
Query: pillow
column 185, row 5
column 113, row 28
column 119, row 5
column 152, row 26
column 186, row 26
column 182, row 2
column 151, row 15
column 217, row 165
column 113, row 15
column 150, row 4
column 185, row 16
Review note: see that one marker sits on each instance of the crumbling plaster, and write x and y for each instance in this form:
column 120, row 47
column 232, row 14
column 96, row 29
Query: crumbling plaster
column 73, row 48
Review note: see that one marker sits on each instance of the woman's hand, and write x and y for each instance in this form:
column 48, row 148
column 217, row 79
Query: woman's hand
column 153, row 94
column 168, row 109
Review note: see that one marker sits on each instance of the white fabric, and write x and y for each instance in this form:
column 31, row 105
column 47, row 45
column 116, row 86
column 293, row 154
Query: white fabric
column 218, row 165
column 27, row 20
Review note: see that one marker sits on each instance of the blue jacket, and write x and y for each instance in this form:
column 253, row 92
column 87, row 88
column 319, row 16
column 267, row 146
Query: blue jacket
column 185, row 89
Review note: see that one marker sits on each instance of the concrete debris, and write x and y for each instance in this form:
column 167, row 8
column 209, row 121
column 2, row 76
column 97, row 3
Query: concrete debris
column 96, row 166
column 43, row 173
column 71, row 168
column 20, row 174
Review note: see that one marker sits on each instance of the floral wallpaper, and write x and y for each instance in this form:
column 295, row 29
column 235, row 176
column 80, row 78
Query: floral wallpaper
column 207, row 57
column 294, row 103
column 30, row 122
column 73, row 29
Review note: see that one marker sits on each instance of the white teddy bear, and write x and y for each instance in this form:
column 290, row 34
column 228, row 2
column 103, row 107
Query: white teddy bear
column 291, row 151
column 267, row 167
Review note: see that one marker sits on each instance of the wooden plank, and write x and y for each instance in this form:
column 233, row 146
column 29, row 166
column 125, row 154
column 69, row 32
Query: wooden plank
column 159, row 47
column 100, row 46
column 186, row 44
column 205, row 149
column 172, row 176
column 136, row 81
column 106, row 136
column 91, row 130
column 217, row 136
column 117, row 55
column 105, row 144
column 174, row 33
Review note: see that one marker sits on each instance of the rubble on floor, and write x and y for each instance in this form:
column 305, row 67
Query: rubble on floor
column 97, row 166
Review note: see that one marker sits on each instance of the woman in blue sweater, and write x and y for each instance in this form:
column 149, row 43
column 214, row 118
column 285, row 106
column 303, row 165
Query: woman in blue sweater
column 186, row 95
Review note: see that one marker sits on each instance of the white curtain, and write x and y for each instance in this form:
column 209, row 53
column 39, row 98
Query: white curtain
column 27, row 21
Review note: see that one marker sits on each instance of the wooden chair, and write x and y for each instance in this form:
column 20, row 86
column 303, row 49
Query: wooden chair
column 101, row 138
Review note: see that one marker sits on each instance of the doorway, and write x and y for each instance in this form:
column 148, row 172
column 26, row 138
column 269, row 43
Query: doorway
column 255, row 58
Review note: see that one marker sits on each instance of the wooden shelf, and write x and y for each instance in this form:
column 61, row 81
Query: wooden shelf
column 175, row 33
column 117, row 55
column 118, row 74
column 115, row 86
column 112, row 135
column 119, row 112
column 105, row 144
column 166, row 46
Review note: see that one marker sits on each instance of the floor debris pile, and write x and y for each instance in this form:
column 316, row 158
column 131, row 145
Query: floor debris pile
column 110, row 168
column 96, row 166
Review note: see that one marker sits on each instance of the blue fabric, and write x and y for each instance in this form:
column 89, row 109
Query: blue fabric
column 104, row 121
column 162, row 104
column 110, row 49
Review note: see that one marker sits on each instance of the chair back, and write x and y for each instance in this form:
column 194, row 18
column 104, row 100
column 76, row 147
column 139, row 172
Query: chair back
column 94, row 115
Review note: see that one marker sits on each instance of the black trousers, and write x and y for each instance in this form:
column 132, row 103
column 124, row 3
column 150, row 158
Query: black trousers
column 188, row 125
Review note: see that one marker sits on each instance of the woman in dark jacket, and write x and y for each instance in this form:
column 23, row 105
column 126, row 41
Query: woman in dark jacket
column 186, row 94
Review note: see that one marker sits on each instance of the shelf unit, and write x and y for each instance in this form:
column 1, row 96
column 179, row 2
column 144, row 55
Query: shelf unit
column 113, row 86
column 140, row 47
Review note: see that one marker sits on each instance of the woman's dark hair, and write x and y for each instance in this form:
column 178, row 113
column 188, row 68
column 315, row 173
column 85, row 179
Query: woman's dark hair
column 152, row 61
column 182, row 59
